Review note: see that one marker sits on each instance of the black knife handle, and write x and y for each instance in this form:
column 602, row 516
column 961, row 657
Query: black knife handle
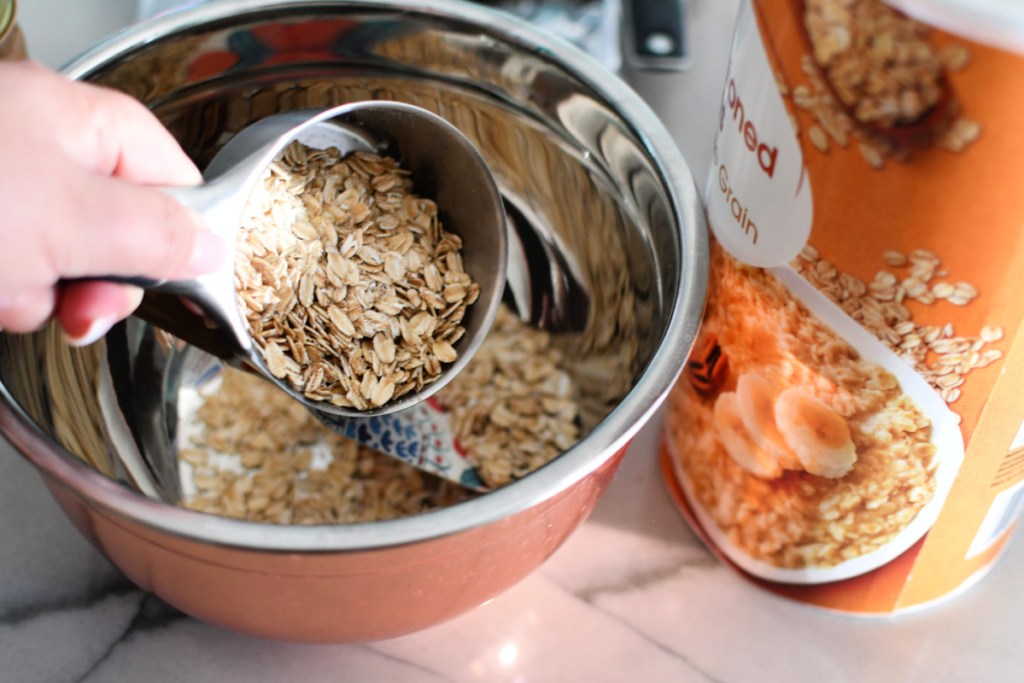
column 656, row 34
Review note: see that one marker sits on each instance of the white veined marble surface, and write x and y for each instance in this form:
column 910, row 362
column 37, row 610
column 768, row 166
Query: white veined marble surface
column 632, row 596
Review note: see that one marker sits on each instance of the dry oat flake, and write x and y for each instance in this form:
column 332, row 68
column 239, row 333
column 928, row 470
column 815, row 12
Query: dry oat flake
column 847, row 431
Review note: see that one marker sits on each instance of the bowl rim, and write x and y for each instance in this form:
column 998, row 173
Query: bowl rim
column 609, row 436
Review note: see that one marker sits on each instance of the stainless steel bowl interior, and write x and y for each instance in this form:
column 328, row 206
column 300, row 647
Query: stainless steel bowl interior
column 607, row 243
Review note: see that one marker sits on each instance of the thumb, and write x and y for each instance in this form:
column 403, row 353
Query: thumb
column 114, row 227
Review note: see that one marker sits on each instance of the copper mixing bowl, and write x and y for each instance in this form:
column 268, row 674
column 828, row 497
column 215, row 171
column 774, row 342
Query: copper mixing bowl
column 610, row 256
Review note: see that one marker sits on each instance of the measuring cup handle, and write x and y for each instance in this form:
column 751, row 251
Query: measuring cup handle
column 162, row 306
column 198, row 198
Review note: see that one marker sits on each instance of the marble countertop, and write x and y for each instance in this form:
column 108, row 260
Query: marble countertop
column 632, row 596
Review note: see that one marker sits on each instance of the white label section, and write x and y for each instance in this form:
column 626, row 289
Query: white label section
column 758, row 197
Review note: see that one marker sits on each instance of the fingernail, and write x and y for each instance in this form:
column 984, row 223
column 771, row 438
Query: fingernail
column 132, row 299
column 208, row 252
column 95, row 329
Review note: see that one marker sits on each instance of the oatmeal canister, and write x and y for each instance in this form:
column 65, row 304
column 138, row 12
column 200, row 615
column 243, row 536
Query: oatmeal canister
column 849, row 428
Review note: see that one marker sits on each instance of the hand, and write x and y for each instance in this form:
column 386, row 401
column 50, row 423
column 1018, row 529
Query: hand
column 74, row 203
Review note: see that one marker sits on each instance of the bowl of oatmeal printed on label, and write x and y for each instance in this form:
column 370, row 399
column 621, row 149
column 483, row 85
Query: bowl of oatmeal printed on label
column 808, row 451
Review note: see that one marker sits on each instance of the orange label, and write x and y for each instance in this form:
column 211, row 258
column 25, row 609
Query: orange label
column 848, row 431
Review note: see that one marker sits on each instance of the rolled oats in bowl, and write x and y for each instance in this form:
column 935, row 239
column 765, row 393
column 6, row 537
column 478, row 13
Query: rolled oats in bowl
column 248, row 451
column 251, row 452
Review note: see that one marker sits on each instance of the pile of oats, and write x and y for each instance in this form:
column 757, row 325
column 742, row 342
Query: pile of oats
column 261, row 456
column 873, row 69
column 514, row 406
column 879, row 62
column 936, row 352
column 257, row 454
column 351, row 288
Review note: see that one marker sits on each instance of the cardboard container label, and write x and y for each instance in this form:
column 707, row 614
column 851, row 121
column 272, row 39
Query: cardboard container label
column 850, row 430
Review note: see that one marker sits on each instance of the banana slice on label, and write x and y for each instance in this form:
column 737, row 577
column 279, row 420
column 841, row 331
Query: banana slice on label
column 756, row 395
column 737, row 441
column 818, row 435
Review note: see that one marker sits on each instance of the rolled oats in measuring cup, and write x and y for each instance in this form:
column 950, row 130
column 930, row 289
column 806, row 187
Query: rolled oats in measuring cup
column 849, row 429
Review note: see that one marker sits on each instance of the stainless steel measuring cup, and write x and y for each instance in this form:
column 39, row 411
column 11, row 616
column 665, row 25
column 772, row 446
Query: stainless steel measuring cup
column 444, row 166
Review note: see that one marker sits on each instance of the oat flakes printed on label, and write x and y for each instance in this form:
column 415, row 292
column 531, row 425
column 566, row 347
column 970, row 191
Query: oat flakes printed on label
column 351, row 288
column 940, row 355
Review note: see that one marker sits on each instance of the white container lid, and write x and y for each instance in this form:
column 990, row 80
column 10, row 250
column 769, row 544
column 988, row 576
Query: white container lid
column 999, row 23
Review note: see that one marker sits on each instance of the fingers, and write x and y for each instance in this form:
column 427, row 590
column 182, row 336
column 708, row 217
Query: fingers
column 99, row 129
column 27, row 309
column 87, row 310
column 111, row 227
column 77, row 205
column 78, row 202
column 96, row 226
column 120, row 137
